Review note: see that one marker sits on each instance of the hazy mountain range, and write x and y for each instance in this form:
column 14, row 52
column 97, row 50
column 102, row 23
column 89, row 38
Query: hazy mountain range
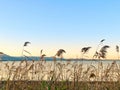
column 5, row 57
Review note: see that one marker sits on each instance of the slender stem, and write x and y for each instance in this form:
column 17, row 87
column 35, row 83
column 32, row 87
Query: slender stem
column 118, row 55
column 22, row 51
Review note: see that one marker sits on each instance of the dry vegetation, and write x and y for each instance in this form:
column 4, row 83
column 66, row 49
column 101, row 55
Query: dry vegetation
column 59, row 75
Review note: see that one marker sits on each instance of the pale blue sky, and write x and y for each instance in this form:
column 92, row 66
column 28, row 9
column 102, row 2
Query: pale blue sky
column 54, row 24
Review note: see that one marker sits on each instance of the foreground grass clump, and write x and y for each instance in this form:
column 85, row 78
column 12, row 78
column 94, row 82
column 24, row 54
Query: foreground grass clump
column 59, row 75
column 62, row 85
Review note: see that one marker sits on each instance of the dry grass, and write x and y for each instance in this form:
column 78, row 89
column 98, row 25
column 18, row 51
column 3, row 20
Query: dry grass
column 59, row 75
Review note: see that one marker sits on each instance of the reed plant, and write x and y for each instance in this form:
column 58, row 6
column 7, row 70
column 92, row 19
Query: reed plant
column 60, row 74
column 68, row 75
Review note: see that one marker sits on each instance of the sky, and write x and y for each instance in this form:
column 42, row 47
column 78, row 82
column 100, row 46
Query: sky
column 54, row 24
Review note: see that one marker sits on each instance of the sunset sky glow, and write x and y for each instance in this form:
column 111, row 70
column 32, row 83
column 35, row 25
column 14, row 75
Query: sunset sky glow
column 54, row 24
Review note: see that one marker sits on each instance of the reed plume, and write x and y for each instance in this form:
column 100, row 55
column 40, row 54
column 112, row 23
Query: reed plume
column 102, row 40
column 85, row 49
column 60, row 53
column 117, row 50
column 26, row 43
column 42, row 55
column 96, row 52
column 103, row 51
